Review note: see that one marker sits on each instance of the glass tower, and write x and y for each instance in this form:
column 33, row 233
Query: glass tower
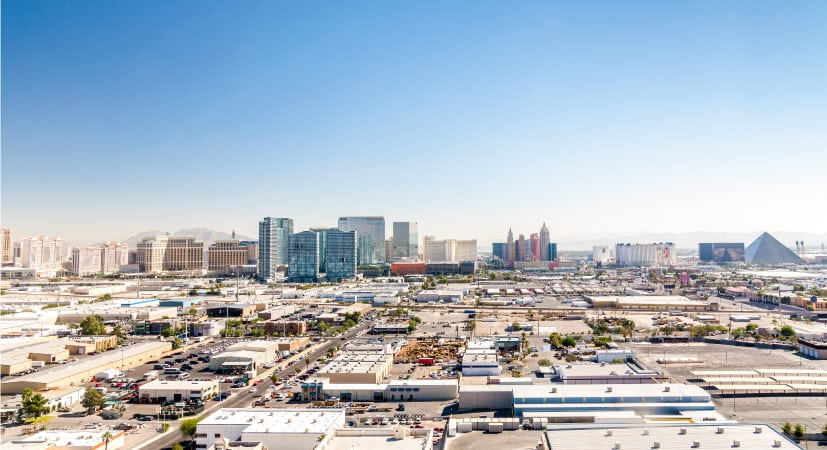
column 340, row 255
column 272, row 245
column 303, row 257
column 370, row 231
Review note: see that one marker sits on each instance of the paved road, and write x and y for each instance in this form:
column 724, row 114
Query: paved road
column 243, row 398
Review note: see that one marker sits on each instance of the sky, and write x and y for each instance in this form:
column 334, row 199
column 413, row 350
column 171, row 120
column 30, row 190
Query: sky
column 468, row 117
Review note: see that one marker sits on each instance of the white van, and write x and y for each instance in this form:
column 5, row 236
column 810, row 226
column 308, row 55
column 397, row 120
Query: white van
column 183, row 376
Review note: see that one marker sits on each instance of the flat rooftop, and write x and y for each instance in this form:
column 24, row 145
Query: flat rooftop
column 179, row 385
column 260, row 420
column 718, row 436
column 628, row 392
column 349, row 442
column 362, row 362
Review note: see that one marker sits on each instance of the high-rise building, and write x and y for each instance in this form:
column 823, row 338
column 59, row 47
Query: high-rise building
column 499, row 250
column 273, row 234
column 534, row 245
column 225, row 256
column 405, row 240
column 340, row 254
column 646, row 255
column 552, row 251
column 170, row 253
column 510, row 251
column 303, row 257
column 601, row 254
column 521, row 249
column 450, row 250
column 113, row 256
column 86, row 260
column 370, row 231
column 252, row 252
column 42, row 253
column 322, row 232
column 545, row 239
column 721, row 252
column 6, row 247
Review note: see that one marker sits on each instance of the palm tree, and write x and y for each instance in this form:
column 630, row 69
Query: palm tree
column 106, row 438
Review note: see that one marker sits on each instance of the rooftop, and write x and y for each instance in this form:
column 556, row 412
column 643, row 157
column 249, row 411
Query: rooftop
column 716, row 436
column 293, row 421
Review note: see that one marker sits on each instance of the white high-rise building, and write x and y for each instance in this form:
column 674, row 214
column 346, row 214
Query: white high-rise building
column 42, row 253
column 6, row 247
column 545, row 239
column 646, row 255
column 113, row 256
column 86, row 260
column 601, row 254
column 150, row 254
column 450, row 250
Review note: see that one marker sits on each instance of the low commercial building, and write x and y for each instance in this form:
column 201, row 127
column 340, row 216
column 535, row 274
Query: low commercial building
column 666, row 436
column 450, row 296
column 396, row 390
column 243, row 356
column 813, row 349
column 14, row 364
column 480, row 364
column 114, row 314
column 296, row 429
column 180, row 302
column 61, row 398
column 235, row 311
column 65, row 375
column 140, row 302
column 69, row 440
column 91, row 344
column 277, row 312
column 651, row 303
column 602, row 373
column 210, row 328
column 358, row 368
column 292, row 345
column 399, row 328
column 284, row 327
column 160, row 391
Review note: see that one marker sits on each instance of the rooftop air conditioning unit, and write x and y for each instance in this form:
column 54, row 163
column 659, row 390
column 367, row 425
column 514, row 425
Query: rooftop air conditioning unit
column 608, row 432
column 656, row 444
column 736, row 443
column 758, row 430
column 609, row 389
column 617, row 446
column 776, row 443
column 720, row 430
column 646, row 432
column 696, row 444
column 682, row 430
column 667, row 389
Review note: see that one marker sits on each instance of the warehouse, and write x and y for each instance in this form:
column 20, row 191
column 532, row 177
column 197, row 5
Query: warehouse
column 115, row 314
column 160, row 391
column 180, row 302
column 298, row 429
column 358, row 367
column 396, row 390
column 69, row 440
column 747, row 436
column 65, row 375
column 605, row 374
column 650, row 303
column 254, row 353
column 235, row 311
column 14, row 364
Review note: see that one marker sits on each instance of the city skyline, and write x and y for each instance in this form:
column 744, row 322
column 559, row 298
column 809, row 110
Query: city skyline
column 600, row 117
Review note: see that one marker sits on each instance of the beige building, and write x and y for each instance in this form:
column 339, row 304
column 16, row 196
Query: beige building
column 86, row 260
column 449, row 250
column 6, row 247
column 225, row 254
column 170, row 253
column 113, row 256
column 358, row 368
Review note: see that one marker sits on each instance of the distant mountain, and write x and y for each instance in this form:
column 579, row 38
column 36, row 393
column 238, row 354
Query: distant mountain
column 206, row 235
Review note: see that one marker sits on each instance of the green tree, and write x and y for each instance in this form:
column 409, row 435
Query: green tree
column 824, row 429
column 787, row 428
column 92, row 326
column 787, row 331
column 544, row 363
column 92, row 398
column 555, row 340
column 306, row 363
column 569, row 341
column 274, row 378
column 34, row 403
column 107, row 437
column 42, row 422
column 177, row 446
column 601, row 341
column 751, row 327
column 798, row 431
column 193, row 311
column 176, row 343
column 118, row 331
column 189, row 427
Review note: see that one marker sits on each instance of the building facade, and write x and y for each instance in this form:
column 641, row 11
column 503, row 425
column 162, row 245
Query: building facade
column 6, row 247
column 545, row 239
column 113, row 256
column 273, row 235
column 450, row 250
column 225, row 256
column 42, row 253
column 405, row 240
column 340, row 254
column 370, row 231
column 721, row 252
column 170, row 253
column 86, row 260
column 646, row 255
column 303, row 257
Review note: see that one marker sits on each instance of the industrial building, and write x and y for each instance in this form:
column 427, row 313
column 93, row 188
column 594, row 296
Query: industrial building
column 237, row 310
column 160, row 391
column 243, row 356
column 297, row 429
column 480, row 359
column 592, row 402
column 651, row 303
column 114, row 314
column 321, row 388
column 358, row 368
column 69, row 440
column 602, row 373
column 65, row 375
column 668, row 436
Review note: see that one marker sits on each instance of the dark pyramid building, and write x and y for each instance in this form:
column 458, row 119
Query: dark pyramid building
column 767, row 250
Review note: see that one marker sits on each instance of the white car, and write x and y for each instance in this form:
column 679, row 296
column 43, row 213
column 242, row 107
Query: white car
column 253, row 389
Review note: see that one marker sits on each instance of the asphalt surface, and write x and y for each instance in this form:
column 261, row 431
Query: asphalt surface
column 243, row 398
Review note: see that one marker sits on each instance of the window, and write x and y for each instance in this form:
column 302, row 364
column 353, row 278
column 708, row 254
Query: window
column 218, row 435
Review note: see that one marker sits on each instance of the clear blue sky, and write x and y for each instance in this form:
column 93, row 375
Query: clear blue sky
column 468, row 117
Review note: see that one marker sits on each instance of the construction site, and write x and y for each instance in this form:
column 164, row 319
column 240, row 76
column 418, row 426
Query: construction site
column 429, row 351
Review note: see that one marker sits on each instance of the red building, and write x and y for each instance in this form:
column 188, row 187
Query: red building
column 408, row 268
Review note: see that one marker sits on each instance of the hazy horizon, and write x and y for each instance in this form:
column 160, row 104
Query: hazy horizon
column 466, row 117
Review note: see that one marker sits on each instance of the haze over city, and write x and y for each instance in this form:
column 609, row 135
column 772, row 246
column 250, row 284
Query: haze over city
column 468, row 117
